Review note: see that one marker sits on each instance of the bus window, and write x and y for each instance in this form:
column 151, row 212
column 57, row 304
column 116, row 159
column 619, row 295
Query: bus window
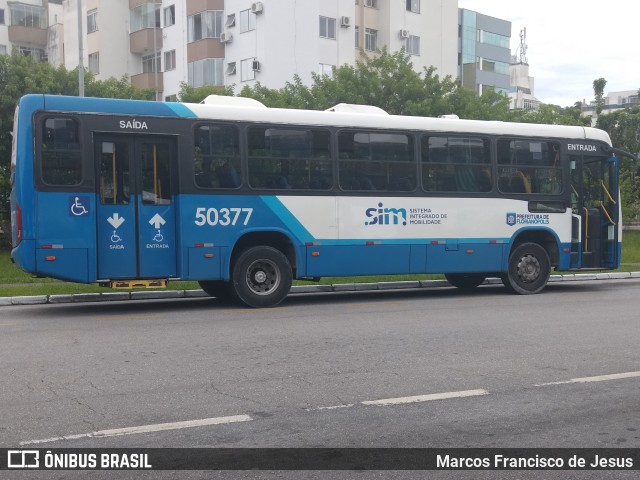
column 61, row 156
column 217, row 157
column 456, row 164
column 376, row 161
column 282, row 159
column 529, row 166
column 114, row 173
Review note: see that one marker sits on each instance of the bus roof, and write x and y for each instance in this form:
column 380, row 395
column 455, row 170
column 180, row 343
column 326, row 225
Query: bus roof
column 343, row 119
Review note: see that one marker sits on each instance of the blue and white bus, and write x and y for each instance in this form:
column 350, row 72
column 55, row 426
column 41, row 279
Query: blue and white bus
column 244, row 198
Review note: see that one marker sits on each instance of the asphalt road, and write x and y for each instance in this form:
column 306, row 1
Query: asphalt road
column 435, row 368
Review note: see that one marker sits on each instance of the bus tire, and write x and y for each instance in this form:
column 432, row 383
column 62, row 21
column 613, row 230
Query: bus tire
column 529, row 269
column 465, row 281
column 262, row 277
column 217, row 288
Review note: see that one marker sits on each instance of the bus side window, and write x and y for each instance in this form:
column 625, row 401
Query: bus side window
column 217, row 157
column 289, row 158
column 456, row 164
column 376, row 161
column 61, row 158
column 529, row 166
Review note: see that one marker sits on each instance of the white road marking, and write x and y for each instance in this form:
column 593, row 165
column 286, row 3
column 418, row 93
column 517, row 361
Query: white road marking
column 598, row 378
column 426, row 398
column 332, row 407
column 158, row 427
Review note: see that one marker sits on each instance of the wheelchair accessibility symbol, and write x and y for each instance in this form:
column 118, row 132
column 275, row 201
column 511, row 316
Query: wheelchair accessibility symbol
column 79, row 205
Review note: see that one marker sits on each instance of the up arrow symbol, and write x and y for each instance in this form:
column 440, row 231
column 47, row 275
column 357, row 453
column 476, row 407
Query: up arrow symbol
column 115, row 220
column 157, row 221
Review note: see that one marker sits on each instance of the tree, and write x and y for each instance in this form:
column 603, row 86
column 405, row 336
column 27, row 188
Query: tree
column 623, row 127
column 387, row 81
column 598, row 90
column 189, row 94
column 553, row 115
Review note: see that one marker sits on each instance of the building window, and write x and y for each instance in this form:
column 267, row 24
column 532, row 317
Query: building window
column 38, row 54
column 205, row 25
column 171, row 98
column 94, row 63
column 231, row 20
column 92, row 21
column 326, row 69
column 494, row 39
column 328, row 27
column 1, row 16
column 28, row 15
column 247, row 21
column 170, row 16
column 231, row 68
column 145, row 16
column 206, row 72
column 494, row 66
column 246, row 70
column 412, row 45
column 370, row 39
column 357, row 32
column 371, row 3
column 149, row 63
column 169, row 60
column 413, row 6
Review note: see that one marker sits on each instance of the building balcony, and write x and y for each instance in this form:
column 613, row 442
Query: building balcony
column 142, row 41
column 206, row 48
column 148, row 80
column 28, row 35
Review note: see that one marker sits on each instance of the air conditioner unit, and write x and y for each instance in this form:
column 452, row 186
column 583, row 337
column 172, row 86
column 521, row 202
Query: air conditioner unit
column 226, row 37
column 404, row 33
column 257, row 7
column 345, row 22
column 255, row 66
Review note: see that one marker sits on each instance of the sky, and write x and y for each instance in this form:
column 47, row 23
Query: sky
column 572, row 43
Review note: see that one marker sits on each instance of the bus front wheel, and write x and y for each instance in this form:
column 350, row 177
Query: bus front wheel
column 529, row 269
column 262, row 277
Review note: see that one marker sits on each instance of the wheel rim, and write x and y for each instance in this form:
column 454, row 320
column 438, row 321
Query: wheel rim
column 528, row 269
column 263, row 276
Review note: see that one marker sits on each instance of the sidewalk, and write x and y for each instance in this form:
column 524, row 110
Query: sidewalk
column 308, row 289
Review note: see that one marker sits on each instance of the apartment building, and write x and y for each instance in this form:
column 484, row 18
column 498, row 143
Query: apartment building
column 161, row 43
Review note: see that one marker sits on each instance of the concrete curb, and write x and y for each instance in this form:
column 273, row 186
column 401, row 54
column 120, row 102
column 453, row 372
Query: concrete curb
column 338, row 287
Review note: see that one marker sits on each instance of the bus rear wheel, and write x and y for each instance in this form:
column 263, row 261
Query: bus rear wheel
column 465, row 281
column 529, row 269
column 262, row 277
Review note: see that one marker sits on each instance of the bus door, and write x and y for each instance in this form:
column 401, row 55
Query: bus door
column 135, row 213
column 595, row 203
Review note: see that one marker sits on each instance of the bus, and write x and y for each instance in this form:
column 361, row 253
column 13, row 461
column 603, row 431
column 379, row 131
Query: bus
column 244, row 199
